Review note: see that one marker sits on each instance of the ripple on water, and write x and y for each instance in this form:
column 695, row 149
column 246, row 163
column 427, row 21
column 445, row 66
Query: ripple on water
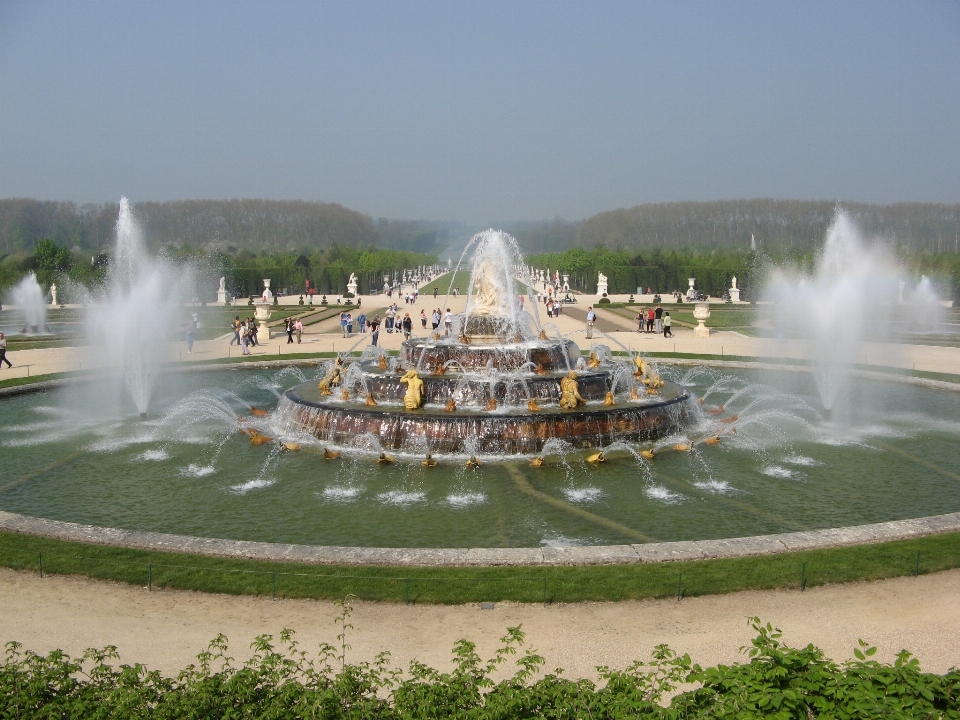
column 197, row 471
column 336, row 493
column 778, row 471
column 719, row 487
column 401, row 497
column 660, row 493
column 258, row 483
column 583, row 495
column 802, row 460
column 460, row 500
column 153, row 455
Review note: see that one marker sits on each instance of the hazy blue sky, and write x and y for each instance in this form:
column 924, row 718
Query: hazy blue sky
column 480, row 111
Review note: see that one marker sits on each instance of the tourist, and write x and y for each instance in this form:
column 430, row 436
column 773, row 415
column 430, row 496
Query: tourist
column 191, row 334
column 650, row 316
column 666, row 324
column 423, row 319
column 407, row 326
column 362, row 322
column 374, row 330
column 435, row 319
column 343, row 323
column 3, row 351
column 252, row 326
column 244, row 339
column 640, row 320
column 288, row 329
column 591, row 319
column 391, row 317
column 298, row 327
column 658, row 319
column 349, row 324
column 236, row 331
column 434, row 292
column 448, row 322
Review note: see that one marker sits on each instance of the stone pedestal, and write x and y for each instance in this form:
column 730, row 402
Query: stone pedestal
column 701, row 312
column 262, row 314
column 352, row 288
column 734, row 294
column 222, row 298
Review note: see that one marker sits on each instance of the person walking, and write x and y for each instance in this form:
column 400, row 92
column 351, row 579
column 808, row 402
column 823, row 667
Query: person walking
column 349, row 325
column 236, row 331
column 658, row 320
column 3, row 351
column 434, row 292
column 391, row 316
column 343, row 323
column 435, row 319
column 362, row 322
column 423, row 319
column 448, row 322
column 667, row 322
column 591, row 319
column 244, row 339
column 191, row 335
column 288, row 329
column 640, row 320
column 374, row 330
column 298, row 328
column 650, row 317
column 407, row 326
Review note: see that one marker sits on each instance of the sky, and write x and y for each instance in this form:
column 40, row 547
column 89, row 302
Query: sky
column 480, row 112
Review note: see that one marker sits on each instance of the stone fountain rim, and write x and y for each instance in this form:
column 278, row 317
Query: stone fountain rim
column 484, row 557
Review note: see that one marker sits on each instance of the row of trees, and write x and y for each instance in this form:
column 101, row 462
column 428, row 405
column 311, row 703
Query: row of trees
column 228, row 225
column 661, row 271
column 777, row 225
column 664, row 271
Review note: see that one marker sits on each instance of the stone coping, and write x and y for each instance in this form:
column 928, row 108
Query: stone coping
column 488, row 557
column 479, row 557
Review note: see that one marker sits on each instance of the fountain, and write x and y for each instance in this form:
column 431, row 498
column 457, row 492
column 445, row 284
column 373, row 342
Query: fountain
column 472, row 392
column 128, row 323
column 28, row 295
column 851, row 296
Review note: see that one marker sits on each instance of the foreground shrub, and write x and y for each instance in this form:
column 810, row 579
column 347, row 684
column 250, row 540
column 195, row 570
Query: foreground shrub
column 776, row 682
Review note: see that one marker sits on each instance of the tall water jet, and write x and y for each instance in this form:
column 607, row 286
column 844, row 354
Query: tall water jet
column 850, row 297
column 29, row 297
column 130, row 322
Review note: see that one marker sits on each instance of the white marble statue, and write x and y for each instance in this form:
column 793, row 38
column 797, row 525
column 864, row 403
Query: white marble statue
column 486, row 290
column 223, row 284
column 53, row 294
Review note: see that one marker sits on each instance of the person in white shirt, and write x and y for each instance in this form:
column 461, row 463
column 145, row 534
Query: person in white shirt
column 448, row 322
column 591, row 319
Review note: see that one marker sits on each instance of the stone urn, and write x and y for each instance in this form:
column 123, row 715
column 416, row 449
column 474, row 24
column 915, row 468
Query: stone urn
column 701, row 311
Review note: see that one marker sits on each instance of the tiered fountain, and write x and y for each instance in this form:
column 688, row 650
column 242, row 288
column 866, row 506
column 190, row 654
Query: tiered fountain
column 498, row 384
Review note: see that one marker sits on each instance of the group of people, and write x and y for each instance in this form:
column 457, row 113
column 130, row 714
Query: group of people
column 293, row 327
column 654, row 320
column 244, row 334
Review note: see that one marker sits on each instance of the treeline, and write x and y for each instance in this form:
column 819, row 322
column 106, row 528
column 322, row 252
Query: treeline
column 328, row 270
column 776, row 225
column 661, row 271
column 228, row 225
column 665, row 271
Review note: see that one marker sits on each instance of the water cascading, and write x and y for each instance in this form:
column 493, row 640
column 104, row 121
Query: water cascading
column 495, row 386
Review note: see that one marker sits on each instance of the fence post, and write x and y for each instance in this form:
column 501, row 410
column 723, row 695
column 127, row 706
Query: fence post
column 803, row 577
column 406, row 590
column 916, row 568
column 274, row 585
column 40, row 556
column 150, row 577
column 679, row 585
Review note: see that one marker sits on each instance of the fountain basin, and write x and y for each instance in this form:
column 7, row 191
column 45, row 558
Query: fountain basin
column 508, row 430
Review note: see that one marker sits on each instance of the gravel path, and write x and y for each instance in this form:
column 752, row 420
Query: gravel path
column 166, row 629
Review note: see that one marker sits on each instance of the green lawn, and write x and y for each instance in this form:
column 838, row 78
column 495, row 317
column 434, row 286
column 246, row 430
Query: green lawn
column 468, row 584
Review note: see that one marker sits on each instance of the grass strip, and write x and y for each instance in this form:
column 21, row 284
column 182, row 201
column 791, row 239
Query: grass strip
column 455, row 585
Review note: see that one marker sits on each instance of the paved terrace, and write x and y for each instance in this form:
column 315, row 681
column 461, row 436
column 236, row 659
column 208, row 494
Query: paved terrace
column 326, row 336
